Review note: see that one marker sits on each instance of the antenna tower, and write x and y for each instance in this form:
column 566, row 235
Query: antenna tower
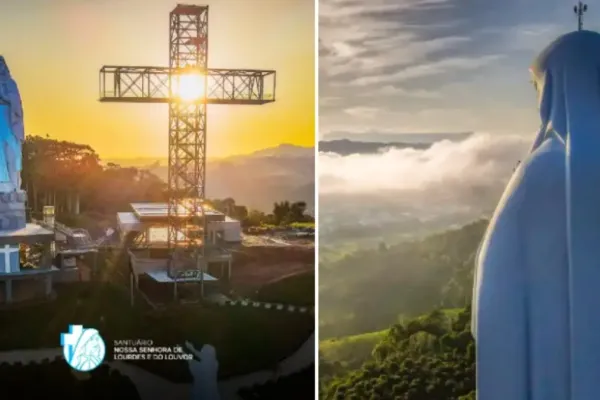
column 580, row 9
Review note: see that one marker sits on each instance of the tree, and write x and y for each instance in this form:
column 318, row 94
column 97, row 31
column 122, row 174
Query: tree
column 410, row 363
column 71, row 177
column 255, row 218
column 57, row 171
column 280, row 211
column 228, row 207
column 286, row 213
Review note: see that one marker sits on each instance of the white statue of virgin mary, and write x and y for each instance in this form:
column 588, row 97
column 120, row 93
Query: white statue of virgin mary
column 12, row 133
column 536, row 303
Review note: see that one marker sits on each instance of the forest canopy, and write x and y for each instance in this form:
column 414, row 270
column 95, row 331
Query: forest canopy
column 73, row 178
column 397, row 320
column 367, row 290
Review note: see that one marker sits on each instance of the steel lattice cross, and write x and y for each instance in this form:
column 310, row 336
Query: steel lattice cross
column 188, row 49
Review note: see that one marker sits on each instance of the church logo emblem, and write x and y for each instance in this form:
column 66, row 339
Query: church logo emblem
column 83, row 348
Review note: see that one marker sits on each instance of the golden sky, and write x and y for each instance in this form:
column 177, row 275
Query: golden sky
column 55, row 48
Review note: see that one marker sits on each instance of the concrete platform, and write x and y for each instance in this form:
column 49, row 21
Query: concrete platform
column 31, row 234
column 160, row 211
column 26, row 285
column 163, row 277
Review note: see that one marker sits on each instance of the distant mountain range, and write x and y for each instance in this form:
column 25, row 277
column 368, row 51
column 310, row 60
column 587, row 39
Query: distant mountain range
column 256, row 180
column 416, row 141
column 346, row 147
column 387, row 137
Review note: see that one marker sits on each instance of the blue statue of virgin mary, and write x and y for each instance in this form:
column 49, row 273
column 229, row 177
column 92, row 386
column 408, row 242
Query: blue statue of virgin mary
column 536, row 304
column 12, row 132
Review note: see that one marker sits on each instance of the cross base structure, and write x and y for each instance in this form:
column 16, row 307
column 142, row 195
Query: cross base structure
column 186, row 216
column 144, row 230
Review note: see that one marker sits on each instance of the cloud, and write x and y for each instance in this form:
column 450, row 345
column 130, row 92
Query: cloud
column 470, row 173
column 392, row 90
column 353, row 9
column 357, row 37
column 362, row 112
column 530, row 37
column 330, row 101
column 402, row 56
column 438, row 67
column 387, row 118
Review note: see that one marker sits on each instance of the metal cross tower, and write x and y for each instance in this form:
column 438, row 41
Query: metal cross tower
column 188, row 53
column 580, row 9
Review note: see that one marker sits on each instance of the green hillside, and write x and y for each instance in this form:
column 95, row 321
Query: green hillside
column 430, row 357
column 350, row 352
column 366, row 290
column 423, row 290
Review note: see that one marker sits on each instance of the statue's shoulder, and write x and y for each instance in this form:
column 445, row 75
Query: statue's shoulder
column 545, row 163
column 539, row 175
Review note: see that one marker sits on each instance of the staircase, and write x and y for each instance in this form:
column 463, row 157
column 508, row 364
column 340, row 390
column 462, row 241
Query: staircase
column 77, row 238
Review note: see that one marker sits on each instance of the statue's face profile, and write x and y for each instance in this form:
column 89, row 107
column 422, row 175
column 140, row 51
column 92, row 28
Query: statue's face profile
column 534, row 82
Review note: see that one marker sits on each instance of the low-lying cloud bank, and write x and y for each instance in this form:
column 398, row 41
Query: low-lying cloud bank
column 468, row 174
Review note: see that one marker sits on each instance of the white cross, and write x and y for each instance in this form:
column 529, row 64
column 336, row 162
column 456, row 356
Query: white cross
column 8, row 250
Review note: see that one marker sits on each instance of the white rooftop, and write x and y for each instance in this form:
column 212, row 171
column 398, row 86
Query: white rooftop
column 127, row 218
column 162, row 210
column 29, row 230
column 193, row 276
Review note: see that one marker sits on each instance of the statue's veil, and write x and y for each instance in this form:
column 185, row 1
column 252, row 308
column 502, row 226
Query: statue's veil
column 567, row 77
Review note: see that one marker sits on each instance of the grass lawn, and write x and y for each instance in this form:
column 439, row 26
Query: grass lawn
column 298, row 386
column 296, row 290
column 104, row 307
column 246, row 339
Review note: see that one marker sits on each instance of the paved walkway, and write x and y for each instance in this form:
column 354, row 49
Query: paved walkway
column 152, row 387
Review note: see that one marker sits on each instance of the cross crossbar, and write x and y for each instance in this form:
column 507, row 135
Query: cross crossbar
column 144, row 84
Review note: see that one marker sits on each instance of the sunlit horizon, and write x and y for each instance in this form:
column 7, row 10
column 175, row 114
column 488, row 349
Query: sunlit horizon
column 55, row 50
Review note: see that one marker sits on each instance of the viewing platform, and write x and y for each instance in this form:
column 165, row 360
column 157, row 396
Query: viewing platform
column 26, row 268
column 144, row 231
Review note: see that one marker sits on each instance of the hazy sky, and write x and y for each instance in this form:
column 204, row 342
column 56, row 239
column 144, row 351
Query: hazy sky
column 403, row 66
column 55, row 48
